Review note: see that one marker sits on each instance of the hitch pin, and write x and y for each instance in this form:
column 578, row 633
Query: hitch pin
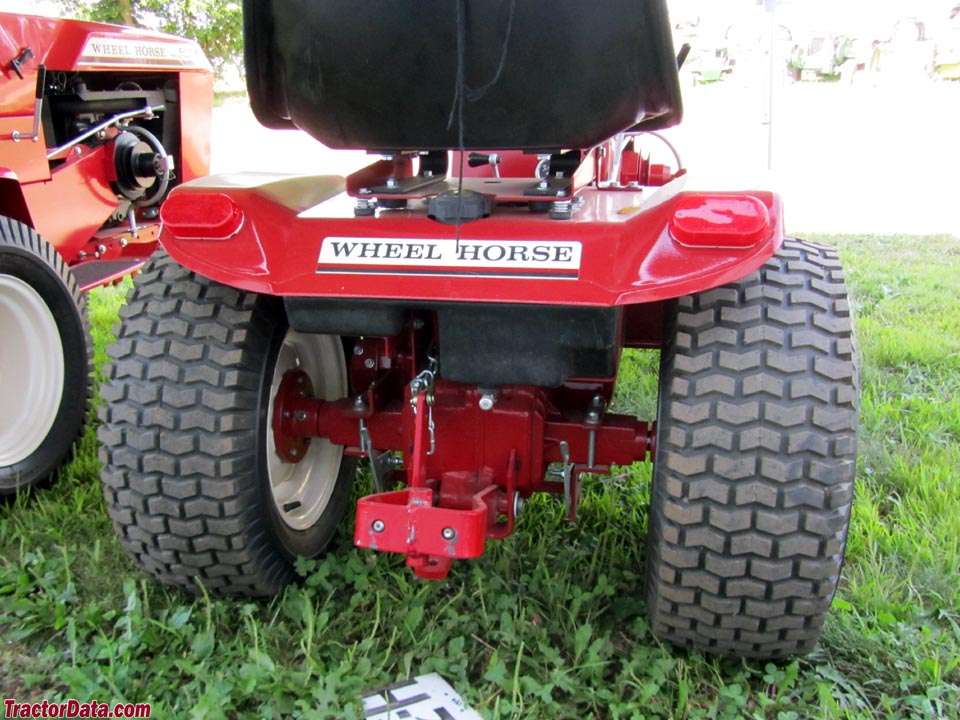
column 567, row 474
column 431, row 428
column 424, row 384
column 597, row 406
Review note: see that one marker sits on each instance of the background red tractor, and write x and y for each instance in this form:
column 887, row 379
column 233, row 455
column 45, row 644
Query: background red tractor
column 97, row 124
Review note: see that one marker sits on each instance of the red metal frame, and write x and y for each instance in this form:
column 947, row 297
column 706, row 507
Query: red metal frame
column 470, row 455
column 466, row 477
column 69, row 202
column 629, row 254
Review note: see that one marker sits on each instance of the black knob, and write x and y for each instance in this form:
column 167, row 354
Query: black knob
column 478, row 159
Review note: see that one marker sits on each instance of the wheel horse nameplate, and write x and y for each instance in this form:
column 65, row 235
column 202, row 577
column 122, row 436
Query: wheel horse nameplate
column 465, row 258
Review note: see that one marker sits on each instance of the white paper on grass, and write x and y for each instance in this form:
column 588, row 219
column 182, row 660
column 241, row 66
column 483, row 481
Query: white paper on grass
column 428, row 697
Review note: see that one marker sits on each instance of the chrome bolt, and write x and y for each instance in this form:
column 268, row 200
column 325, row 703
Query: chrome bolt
column 369, row 363
column 487, row 402
column 391, row 182
column 449, row 533
column 359, row 404
column 378, row 526
column 358, row 349
column 286, row 413
column 294, row 452
column 301, row 416
column 544, row 184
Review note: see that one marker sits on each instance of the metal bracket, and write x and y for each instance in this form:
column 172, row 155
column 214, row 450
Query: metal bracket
column 382, row 464
column 424, row 384
column 571, row 488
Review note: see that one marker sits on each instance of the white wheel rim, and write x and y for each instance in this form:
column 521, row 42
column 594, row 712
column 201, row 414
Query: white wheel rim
column 302, row 490
column 31, row 370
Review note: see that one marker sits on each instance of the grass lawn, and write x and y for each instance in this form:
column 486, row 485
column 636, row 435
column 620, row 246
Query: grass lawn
column 550, row 623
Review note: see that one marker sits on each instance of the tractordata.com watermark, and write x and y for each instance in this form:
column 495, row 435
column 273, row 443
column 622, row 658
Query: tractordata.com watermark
column 75, row 709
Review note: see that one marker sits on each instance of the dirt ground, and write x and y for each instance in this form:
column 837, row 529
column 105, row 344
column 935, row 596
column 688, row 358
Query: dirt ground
column 879, row 156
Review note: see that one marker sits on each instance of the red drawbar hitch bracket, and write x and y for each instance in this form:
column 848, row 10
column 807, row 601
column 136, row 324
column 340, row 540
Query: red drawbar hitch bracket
column 434, row 523
column 469, row 458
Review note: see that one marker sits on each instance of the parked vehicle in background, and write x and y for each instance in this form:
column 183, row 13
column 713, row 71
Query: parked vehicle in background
column 823, row 56
column 947, row 54
column 97, row 124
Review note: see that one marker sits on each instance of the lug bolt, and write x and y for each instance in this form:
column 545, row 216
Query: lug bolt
column 378, row 526
column 449, row 533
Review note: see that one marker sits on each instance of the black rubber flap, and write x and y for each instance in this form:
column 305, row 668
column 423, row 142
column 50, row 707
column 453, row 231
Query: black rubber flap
column 539, row 74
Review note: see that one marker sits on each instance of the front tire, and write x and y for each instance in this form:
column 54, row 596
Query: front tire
column 192, row 483
column 755, row 460
column 45, row 359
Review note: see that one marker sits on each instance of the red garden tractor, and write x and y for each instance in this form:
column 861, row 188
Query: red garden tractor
column 97, row 123
column 455, row 313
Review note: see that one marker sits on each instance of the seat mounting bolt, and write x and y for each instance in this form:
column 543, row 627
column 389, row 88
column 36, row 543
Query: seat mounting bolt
column 449, row 533
column 378, row 526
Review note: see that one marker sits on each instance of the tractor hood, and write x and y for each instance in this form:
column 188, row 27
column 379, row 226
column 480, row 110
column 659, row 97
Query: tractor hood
column 67, row 45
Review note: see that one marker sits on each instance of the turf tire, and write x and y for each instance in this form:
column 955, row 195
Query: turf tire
column 184, row 438
column 755, row 460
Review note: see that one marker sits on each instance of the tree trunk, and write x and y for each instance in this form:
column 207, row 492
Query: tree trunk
column 126, row 11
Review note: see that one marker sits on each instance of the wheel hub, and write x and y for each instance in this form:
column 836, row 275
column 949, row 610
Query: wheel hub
column 291, row 416
column 302, row 470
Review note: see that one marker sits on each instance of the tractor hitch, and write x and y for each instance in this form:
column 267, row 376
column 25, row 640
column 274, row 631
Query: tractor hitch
column 471, row 455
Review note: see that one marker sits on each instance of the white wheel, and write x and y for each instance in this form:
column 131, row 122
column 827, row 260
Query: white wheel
column 45, row 378
column 31, row 370
column 302, row 490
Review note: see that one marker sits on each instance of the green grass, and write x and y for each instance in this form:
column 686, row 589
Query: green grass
column 550, row 623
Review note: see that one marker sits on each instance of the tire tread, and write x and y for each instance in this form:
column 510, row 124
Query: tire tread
column 756, row 456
